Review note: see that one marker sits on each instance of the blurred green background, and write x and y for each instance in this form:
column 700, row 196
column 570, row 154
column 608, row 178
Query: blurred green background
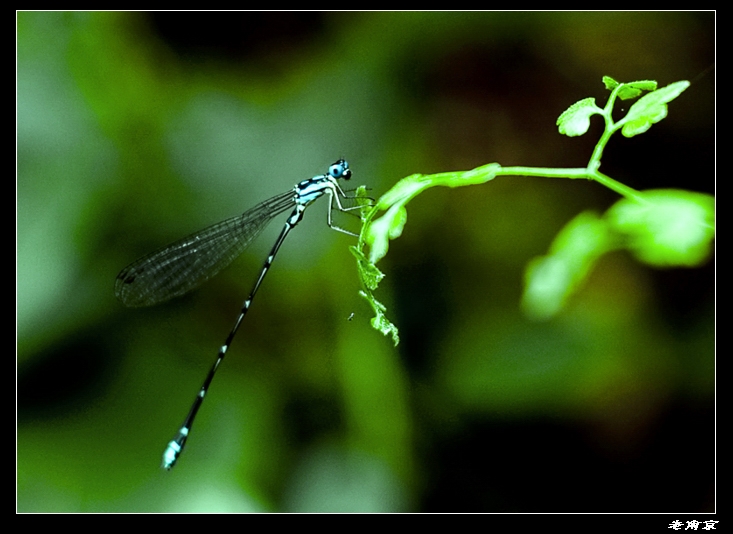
column 135, row 129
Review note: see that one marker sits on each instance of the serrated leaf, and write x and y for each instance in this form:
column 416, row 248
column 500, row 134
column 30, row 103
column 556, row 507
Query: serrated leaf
column 379, row 321
column 610, row 83
column 386, row 327
column 575, row 120
column 634, row 89
column 368, row 272
column 650, row 109
column 627, row 93
column 644, row 85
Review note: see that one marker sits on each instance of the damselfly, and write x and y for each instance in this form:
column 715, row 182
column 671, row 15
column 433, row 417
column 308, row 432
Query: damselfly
column 184, row 265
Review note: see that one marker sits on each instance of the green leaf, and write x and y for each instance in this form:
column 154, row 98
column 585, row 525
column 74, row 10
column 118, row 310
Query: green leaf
column 385, row 326
column 479, row 175
column 403, row 191
column 388, row 226
column 365, row 201
column 575, row 120
column 368, row 272
column 379, row 321
column 551, row 279
column 631, row 89
column 650, row 109
column 610, row 83
column 634, row 89
column 672, row 228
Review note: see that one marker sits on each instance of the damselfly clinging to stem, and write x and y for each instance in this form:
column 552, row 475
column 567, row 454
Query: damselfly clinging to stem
column 186, row 264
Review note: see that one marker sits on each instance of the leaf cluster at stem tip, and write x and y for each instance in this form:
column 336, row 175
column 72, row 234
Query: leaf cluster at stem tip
column 663, row 228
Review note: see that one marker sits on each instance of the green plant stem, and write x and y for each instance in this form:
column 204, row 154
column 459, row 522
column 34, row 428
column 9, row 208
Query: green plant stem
column 588, row 174
column 545, row 172
column 620, row 188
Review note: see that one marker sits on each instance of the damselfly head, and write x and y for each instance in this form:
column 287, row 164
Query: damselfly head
column 340, row 169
